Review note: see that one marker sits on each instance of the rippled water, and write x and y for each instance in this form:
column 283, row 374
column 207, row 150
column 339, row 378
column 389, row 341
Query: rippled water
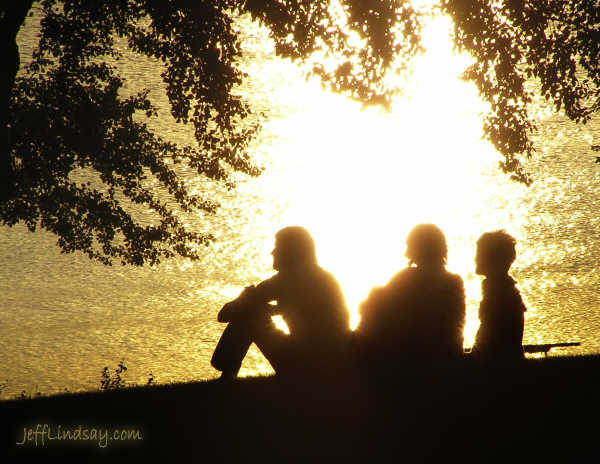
column 359, row 181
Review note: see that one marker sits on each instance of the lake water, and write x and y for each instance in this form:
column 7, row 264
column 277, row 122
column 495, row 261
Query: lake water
column 359, row 181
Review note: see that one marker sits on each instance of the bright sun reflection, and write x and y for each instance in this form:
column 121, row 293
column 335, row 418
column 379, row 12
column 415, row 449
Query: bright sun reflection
column 360, row 180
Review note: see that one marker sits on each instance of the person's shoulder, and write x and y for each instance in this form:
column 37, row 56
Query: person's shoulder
column 401, row 281
column 500, row 284
column 319, row 270
column 455, row 279
column 502, row 287
column 404, row 275
column 307, row 275
column 322, row 273
column 268, row 284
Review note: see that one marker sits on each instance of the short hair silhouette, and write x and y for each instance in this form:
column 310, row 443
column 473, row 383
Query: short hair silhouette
column 501, row 310
column 296, row 245
column 426, row 244
column 498, row 248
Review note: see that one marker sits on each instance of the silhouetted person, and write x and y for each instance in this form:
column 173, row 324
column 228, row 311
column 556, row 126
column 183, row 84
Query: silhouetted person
column 418, row 317
column 501, row 311
column 309, row 299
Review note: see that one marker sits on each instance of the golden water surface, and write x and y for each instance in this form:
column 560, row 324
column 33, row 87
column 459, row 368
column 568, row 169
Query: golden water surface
column 359, row 180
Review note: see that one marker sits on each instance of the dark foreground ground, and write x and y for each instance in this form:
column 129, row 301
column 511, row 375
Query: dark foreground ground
column 546, row 411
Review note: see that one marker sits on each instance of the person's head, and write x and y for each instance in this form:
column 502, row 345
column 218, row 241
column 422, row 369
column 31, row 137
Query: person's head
column 495, row 253
column 426, row 245
column 293, row 246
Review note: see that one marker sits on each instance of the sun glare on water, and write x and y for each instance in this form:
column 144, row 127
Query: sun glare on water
column 360, row 179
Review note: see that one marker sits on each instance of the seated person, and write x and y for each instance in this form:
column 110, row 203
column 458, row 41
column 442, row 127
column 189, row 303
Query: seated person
column 501, row 311
column 419, row 316
column 309, row 299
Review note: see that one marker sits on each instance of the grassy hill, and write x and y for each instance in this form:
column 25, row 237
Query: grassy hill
column 543, row 411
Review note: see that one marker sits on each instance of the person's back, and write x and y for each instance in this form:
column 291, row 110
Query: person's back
column 418, row 317
column 501, row 311
column 436, row 312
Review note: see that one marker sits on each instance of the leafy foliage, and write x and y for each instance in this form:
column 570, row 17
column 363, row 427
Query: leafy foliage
column 365, row 40
column 554, row 42
column 67, row 113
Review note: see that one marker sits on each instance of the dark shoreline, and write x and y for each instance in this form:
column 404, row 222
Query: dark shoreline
column 542, row 411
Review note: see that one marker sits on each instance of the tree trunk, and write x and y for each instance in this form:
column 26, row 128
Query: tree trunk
column 13, row 17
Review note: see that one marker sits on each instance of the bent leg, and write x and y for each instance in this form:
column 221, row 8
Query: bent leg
column 232, row 348
column 237, row 338
column 276, row 346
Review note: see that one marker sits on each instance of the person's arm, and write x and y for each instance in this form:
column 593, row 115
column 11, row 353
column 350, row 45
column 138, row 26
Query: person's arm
column 251, row 297
column 368, row 310
column 235, row 308
column 268, row 291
